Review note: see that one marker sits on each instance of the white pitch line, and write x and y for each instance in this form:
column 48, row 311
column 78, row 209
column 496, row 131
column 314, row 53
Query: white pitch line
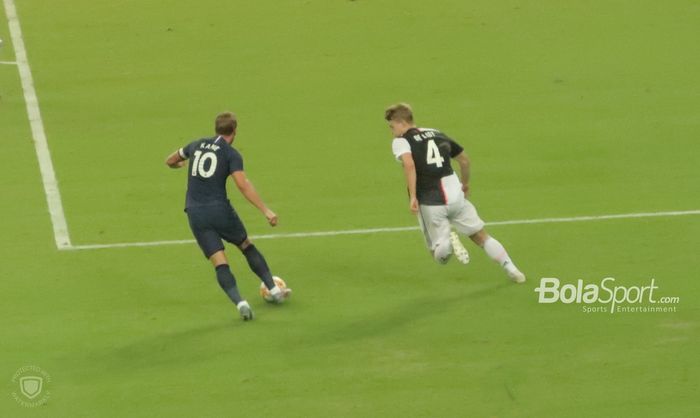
column 597, row 218
column 396, row 229
column 48, row 175
column 8, row 63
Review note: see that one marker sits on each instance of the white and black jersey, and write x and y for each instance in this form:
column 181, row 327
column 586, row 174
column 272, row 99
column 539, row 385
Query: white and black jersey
column 436, row 182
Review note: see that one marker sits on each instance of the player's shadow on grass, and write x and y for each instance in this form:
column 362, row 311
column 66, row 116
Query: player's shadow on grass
column 377, row 324
column 200, row 343
column 167, row 348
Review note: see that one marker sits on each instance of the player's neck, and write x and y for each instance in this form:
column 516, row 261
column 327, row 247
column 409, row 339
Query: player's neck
column 228, row 138
column 408, row 128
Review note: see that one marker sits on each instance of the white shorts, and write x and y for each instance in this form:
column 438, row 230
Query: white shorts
column 435, row 221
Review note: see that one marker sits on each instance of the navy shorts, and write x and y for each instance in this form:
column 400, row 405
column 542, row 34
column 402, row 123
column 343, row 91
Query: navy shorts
column 210, row 224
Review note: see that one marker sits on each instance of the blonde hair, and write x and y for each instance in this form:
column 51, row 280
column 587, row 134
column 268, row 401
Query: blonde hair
column 400, row 112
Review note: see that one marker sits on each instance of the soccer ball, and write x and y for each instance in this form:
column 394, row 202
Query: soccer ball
column 266, row 293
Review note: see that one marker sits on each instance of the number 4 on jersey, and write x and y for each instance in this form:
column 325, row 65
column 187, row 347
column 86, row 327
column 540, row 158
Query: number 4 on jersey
column 434, row 156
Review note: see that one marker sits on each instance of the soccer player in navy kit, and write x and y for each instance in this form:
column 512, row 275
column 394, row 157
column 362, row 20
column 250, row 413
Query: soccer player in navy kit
column 436, row 194
column 211, row 216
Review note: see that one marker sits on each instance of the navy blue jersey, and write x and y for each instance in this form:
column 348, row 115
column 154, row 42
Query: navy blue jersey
column 212, row 160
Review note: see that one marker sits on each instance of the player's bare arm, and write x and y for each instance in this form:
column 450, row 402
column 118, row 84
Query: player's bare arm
column 248, row 191
column 175, row 160
column 464, row 169
column 409, row 171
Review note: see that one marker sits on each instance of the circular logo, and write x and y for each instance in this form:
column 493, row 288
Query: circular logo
column 31, row 386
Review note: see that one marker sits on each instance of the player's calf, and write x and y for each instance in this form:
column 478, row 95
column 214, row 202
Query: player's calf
column 498, row 253
column 257, row 264
column 228, row 283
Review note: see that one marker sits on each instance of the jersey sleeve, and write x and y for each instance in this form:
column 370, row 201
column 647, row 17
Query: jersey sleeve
column 235, row 161
column 186, row 151
column 455, row 148
column 399, row 147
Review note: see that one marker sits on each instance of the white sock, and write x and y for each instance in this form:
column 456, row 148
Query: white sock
column 498, row 253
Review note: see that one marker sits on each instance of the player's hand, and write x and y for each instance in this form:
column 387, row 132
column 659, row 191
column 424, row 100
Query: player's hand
column 271, row 217
column 413, row 205
column 181, row 164
column 465, row 189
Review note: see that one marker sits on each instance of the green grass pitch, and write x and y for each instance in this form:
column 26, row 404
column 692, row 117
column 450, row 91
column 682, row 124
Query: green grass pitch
column 566, row 108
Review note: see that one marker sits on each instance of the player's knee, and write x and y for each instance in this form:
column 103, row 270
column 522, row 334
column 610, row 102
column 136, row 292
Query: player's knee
column 479, row 238
column 218, row 258
column 245, row 244
column 442, row 252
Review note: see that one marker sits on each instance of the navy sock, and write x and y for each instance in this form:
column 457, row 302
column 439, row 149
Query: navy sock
column 228, row 282
column 257, row 263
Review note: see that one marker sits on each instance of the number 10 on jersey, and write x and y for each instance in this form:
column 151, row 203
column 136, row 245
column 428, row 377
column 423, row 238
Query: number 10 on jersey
column 200, row 159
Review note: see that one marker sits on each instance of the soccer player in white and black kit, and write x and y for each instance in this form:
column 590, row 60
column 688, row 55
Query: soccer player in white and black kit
column 210, row 214
column 436, row 194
